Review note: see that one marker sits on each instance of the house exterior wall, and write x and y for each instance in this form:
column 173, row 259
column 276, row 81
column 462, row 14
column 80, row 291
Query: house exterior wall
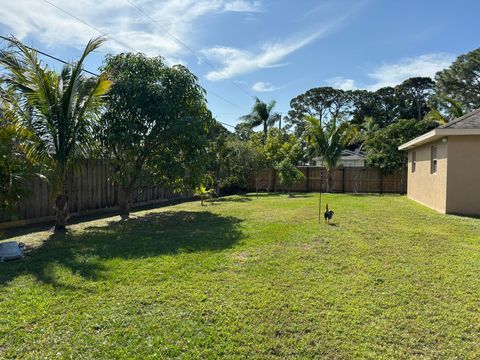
column 423, row 186
column 463, row 179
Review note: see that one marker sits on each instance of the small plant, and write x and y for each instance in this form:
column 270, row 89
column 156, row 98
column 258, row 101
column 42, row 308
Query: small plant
column 203, row 194
column 202, row 191
column 289, row 174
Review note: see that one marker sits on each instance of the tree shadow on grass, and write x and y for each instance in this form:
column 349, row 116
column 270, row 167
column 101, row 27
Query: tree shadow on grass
column 367, row 194
column 146, row 236
column 262, row 194
column 237, row 198
column 279, row 193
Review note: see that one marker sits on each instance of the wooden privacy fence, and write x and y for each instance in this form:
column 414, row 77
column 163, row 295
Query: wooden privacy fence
column 89, row 190
column 345, row 180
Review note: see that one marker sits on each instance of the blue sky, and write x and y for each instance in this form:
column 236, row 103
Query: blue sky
column 271, row 49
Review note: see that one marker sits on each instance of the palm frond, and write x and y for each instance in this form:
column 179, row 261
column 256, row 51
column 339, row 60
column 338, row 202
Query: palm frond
column 59, row 108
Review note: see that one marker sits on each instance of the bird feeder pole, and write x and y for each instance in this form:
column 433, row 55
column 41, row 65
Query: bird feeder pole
column 320, row 196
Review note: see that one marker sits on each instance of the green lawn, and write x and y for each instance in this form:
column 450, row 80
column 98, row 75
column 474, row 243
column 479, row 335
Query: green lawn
column 250, row 278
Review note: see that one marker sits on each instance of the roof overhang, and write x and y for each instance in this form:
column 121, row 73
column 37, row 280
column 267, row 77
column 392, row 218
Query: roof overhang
column 437, row 134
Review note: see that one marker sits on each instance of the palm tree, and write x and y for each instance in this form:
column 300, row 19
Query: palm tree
column 328, row 141
column 262, row 114
column 445, row 110
column 59, row 108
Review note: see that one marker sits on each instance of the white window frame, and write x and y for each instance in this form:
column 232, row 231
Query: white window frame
column 433, row 160
column 414, row 161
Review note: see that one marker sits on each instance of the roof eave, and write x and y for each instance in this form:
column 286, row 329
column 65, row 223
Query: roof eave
column 435, row 135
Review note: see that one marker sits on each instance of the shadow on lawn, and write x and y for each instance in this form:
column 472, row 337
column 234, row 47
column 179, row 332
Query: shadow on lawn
column 231, row 199
column 278, row 193
column 146, row 236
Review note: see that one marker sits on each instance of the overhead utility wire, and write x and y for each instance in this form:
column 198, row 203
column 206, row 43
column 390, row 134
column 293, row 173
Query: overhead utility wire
column 155, row 22
column 44, row 54
column 130, row 48
column 89, row 25
column 87, row 71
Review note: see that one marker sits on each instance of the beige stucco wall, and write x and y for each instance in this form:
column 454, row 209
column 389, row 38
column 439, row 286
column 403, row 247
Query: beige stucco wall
column 463, row 179
column 424, row 187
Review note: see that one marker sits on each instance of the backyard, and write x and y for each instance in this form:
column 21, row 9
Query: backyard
column 249, row 277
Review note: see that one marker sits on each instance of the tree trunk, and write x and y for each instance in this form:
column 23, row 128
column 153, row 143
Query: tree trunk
column 217, row 187
column 125, row 195
column 265, row 132
column 419, row 110
column 62, row 215
column 329, row 180
column 269, row 179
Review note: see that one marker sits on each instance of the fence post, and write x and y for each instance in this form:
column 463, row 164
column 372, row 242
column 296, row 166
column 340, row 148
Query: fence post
column 308, row 179
column 382, row 175
column 274, row 180
column 343, row 179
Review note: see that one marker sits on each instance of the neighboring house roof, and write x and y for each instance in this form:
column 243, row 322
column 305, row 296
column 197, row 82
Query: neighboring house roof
column 467, row 121
column 348, row 155
column 468, row 124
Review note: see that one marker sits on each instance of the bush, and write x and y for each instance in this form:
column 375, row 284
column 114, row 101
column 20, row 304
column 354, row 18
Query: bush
column 289, row 174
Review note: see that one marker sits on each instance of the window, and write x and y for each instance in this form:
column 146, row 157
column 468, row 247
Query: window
column 433, row 160
column 414, row 161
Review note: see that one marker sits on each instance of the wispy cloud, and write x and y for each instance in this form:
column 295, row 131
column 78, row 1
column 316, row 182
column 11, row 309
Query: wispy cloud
column 339, row 82
column 117, row 18
column 234, row 61
column 424, row 65
column 243, row 6
column 264, row 87
column 395, row 73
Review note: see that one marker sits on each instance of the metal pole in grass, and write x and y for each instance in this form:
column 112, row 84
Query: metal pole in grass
column 320, row 196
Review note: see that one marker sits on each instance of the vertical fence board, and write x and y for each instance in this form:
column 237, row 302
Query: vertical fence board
column 88, row 188
column 344, row 180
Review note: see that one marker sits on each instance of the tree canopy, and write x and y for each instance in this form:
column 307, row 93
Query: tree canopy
column 382, row 145
column 461, row 81
column 155, row 125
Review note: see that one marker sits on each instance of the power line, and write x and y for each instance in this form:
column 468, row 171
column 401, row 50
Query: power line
column 130, row 48
column 92, row 73
column 226, row 100
column 14, row 41
column 225, row 124
column 155, row 22
column 90, row 25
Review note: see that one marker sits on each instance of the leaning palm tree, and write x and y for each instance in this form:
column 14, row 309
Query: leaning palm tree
column 327, row 141
column 59, row 108
column 445, row 110
column 262, row 114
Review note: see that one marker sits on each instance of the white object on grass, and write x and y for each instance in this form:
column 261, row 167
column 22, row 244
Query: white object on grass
column 11, row 250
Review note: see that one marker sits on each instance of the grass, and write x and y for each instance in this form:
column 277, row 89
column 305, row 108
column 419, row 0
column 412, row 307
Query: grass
column 250, row 278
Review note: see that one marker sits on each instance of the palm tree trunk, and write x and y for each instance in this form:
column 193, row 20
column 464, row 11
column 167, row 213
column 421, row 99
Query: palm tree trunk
column 265, row 132
column 329, row 180
column 61, row 204
column 61, row 212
